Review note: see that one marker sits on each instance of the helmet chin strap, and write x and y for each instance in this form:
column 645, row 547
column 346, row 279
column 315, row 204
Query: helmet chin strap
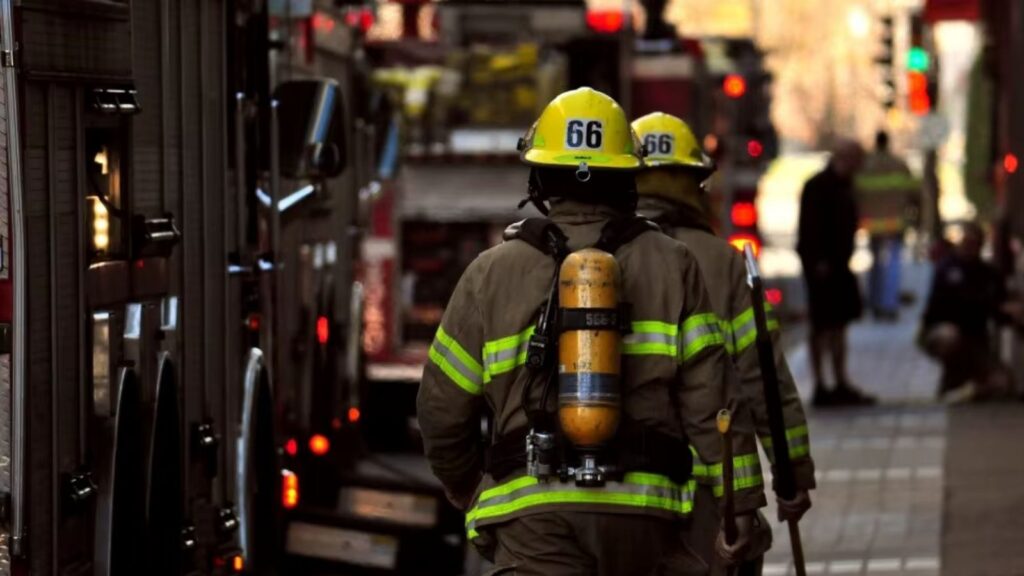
column 535, row 194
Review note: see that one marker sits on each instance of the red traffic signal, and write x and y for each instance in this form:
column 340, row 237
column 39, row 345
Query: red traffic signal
column 744, row 214
column 734, row 86
column 919, row 101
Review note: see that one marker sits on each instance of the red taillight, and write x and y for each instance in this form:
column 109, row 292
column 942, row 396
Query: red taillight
column 773, row 296
column 734, row 86
column 323, row 330
column 740, row 241
column 289, row 489
column 354, row 415
column 605, row 21
column 291, row 447
column 238, row 563
column 319, row 445
column 362, row 19
column 1010, row 163
column 744, row 214
column 755, row 148
column 253, row 322
column 323, row 22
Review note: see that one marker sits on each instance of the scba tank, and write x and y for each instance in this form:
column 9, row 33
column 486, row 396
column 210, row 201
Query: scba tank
column 589, row 361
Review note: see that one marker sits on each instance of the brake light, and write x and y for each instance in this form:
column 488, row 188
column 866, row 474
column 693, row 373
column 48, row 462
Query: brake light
column 323, row 330
column 319, row 445
column 291, row 447
column 754, row 148
column 605, row 21
column 354, row 415
column 773, row 296
column 734, row 86
column 253, row 322
column 740, row 241
column 289, row 489
column 744, row 214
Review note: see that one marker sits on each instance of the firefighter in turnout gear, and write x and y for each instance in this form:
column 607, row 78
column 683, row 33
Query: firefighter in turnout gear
column 590, row 307
column 671, row 195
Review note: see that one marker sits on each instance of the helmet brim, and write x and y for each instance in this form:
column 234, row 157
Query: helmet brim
column 594, row 160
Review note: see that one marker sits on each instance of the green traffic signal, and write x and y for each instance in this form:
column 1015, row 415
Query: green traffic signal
column 917, row 59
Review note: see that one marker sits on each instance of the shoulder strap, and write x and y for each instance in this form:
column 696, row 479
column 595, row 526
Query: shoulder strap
column 542, row 234
column 621, row 231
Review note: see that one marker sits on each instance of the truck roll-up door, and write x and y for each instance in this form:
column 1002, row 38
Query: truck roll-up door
column 165, row 490
column 120, row 514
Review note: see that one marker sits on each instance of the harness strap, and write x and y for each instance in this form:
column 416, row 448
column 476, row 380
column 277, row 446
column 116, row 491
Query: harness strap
column 636, row 448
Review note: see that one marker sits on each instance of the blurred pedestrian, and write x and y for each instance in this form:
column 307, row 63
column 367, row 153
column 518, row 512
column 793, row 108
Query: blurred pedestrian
column 887, row 194
column 825, row 242
column 967, row 296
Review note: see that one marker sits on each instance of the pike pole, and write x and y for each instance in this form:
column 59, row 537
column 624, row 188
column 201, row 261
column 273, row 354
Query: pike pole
column 785, row 486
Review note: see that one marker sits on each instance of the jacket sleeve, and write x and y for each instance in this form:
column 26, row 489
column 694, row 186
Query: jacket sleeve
column 741, row 334
column 450, row 402
column 708, row 384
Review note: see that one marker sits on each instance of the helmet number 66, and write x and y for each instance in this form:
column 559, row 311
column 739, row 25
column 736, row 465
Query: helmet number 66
column 660, row 144
column 584, row 134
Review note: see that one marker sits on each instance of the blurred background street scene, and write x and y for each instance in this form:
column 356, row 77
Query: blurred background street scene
column 229, row 230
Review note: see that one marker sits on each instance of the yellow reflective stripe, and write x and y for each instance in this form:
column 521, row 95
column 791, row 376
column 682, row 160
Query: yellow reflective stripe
column 456, row 363
column 886, row 182
column 638, row 489
column 651, row 337
column 459, row 352
column 746, row 474
column 700, row 331
column 744, row 328
column 504, row 354
column 798, row 440
column 701, row 471
column 506, row 488
column 450, row 370
column 655, row 327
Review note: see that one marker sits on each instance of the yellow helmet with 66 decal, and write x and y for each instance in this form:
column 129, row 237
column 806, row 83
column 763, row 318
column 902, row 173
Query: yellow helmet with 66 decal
column 583, row 129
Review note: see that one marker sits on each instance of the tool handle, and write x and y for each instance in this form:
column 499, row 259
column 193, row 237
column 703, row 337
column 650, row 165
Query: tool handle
column 798, row 548
column 785, row 484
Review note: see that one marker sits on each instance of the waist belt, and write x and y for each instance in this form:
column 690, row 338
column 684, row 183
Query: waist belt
column 636, row 449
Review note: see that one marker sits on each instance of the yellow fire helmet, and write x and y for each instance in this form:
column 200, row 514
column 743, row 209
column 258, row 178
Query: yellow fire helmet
column 583, row 129
column 669, row 141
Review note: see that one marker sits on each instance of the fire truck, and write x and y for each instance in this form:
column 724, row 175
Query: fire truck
column 168, row 194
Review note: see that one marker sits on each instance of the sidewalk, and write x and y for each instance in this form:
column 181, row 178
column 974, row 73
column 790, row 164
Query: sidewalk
column 878, row 507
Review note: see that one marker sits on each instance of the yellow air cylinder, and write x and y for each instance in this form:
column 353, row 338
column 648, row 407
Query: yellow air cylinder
column 589, row 396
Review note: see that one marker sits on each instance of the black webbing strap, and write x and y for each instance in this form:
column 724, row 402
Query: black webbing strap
column 637, row 448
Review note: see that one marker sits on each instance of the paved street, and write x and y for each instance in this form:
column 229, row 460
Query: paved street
column 883, row 475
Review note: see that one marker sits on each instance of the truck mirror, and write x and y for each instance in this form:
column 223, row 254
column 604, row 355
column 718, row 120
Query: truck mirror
column 311, row 116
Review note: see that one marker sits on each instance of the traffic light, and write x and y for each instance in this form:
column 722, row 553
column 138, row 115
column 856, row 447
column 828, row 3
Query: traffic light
column 918, row 99
column 920, row 85
column 885, row 60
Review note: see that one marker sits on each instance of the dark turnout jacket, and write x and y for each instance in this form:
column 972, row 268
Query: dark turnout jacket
column 725, row 274
column 674, row 367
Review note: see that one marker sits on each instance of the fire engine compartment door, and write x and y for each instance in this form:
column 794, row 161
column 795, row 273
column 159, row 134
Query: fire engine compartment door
column 120, row 517
column 258, row 480
column 165, row 495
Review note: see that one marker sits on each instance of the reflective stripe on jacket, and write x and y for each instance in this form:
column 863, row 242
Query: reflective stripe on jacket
column 726, row 277
column 674, row 367
column 885, row 188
